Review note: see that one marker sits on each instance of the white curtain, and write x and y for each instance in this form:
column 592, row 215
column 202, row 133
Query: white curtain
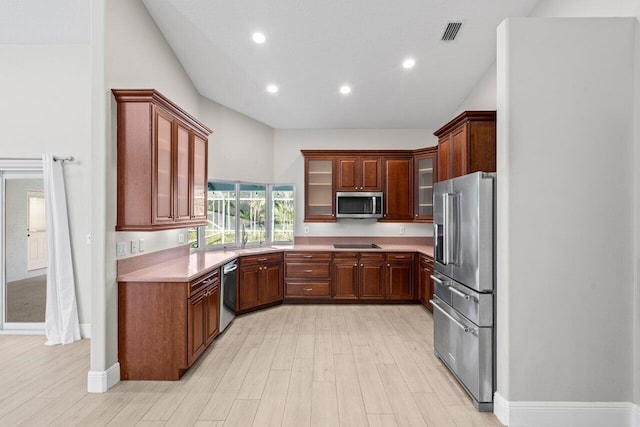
column 61, row 320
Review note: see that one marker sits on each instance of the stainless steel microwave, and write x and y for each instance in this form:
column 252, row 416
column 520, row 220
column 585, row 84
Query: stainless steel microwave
column 359, row 204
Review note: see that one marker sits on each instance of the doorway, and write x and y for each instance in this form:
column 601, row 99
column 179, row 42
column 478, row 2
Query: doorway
column 24, row 250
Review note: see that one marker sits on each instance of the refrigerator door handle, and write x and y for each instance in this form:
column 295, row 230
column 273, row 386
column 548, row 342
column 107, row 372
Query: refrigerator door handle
column 462, row 294
column 445, row 229
column 458, row 324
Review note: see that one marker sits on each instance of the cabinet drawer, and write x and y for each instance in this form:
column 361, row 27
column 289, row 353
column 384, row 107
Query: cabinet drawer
column 202, row 282
column 310, row 289
column 308, row 256
column 372, row 255
column 400, row 256
column 306, row 270
column 343, row 255
column 426, row 260
column 261, row 258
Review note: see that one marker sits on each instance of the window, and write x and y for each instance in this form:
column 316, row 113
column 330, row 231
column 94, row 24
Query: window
column 261, row 213
column 282, row 209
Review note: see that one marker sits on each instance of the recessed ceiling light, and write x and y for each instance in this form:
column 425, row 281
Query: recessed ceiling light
column 272, row 88
column 258, row 38
column 408, row 63
column 345, row 89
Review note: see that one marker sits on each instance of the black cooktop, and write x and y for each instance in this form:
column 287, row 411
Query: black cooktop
column 356, row 246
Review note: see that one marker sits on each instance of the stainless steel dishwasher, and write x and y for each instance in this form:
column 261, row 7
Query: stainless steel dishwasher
column 228, row 297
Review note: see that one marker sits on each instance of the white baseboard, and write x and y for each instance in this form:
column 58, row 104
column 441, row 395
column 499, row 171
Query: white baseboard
column 85, row 330
column 569, row 414
column 636, row 416
column 101, row 381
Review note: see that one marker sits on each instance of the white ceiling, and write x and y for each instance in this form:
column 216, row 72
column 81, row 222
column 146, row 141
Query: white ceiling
column 315, row 46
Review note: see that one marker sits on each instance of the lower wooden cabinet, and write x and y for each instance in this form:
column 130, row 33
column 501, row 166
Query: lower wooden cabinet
column 344, row 276
column 400, row 284
column 425, row 282
column 163, row 327
column 306, row 275
column 371, row 272
column 260, row 281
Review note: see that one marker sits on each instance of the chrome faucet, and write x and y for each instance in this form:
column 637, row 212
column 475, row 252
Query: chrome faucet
column 244, row 237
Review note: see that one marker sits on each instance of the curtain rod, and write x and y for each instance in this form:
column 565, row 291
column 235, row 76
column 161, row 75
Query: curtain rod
column 56, row 158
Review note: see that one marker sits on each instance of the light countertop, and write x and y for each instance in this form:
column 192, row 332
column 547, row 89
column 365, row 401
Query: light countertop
column 190, row 267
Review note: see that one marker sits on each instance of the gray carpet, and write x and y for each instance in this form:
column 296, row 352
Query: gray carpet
column 26, row 300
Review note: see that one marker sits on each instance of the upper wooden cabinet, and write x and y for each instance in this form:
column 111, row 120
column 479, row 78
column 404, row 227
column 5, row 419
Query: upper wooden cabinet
column 162, row 163
column 398, row 188
column 467, row 144
column 424, row 163
column 358, row 174
column 319, row 199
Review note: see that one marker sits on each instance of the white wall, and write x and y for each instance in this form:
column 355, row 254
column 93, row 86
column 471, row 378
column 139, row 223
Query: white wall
column 636, row 320
column 45, row 107
column 15, row 225
column 240, row 148
column 289, row 168
column 565, row 163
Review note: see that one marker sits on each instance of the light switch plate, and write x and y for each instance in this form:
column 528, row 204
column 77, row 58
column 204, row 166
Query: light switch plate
column 141, row 245
column 134, row 246
column 401, row 230
column 181, row 238
column 121, row 248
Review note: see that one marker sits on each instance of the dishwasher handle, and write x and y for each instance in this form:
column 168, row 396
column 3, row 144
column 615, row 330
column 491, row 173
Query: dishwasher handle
column 229, row 268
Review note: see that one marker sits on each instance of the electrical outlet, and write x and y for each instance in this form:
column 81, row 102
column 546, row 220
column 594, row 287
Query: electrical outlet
column 88, row 239
column 134, row 246
column 181, row 238
column 306, row 229
column 141, row 245
column 121, row 248
column 402, row 230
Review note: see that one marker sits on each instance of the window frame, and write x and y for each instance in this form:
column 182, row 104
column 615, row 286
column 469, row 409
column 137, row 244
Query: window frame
column 269, row 232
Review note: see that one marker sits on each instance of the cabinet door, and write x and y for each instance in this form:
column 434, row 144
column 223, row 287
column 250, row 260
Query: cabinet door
column 249, row 286
column 162, row 192
column 400, row 280
column 425, row 291
column 196, row 319
column 213, row 313
column 370, row 174
column 199, row 186
column 319, row 197
column 272, row 282
column 459, row 151
column 444, row 158
column 347, row 174
column 345, row 279
column 398, row 191
column 371, row 280
column 425, row 165
column 182, row 180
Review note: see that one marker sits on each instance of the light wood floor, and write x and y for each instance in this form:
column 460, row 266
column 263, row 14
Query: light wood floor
column 305, row 365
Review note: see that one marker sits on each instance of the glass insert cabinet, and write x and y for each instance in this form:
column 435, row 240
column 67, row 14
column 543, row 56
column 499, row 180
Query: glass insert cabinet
column 319, row 200
column 425, row 165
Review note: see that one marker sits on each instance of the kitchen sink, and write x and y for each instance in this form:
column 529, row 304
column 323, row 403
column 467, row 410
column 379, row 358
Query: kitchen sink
column 356, row 246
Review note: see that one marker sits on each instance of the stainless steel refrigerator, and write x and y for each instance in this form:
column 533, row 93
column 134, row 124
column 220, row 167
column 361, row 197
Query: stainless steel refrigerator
column 464, row 281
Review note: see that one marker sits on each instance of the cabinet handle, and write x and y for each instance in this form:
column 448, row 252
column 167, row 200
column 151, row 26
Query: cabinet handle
column 361, row 265
column 388, row 265
column 308, row 271
column 355, row 265
column 308, row 256
column 307, row 289
column 262, row 259
column 399, row 257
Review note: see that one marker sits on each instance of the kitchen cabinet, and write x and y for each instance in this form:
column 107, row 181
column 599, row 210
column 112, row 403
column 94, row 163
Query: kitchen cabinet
column 307, row 275
column 398, row 189
column 399, row 276
column 358, row 275
column 358, row 173
column 371, row 276
column 425, row 173
column 319, row 193
column 163, row 327
column 425, row 282
column 344, row 276
column 161, row 163
column 467, row 144
column 260, row 281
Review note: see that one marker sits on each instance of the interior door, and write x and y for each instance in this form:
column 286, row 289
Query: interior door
column 36, row 231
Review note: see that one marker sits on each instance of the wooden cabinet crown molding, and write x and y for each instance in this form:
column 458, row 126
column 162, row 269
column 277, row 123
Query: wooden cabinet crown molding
column 476, row 116
column 153, row 96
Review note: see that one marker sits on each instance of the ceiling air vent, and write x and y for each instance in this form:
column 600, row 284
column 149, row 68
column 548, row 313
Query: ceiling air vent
column 451, row 31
